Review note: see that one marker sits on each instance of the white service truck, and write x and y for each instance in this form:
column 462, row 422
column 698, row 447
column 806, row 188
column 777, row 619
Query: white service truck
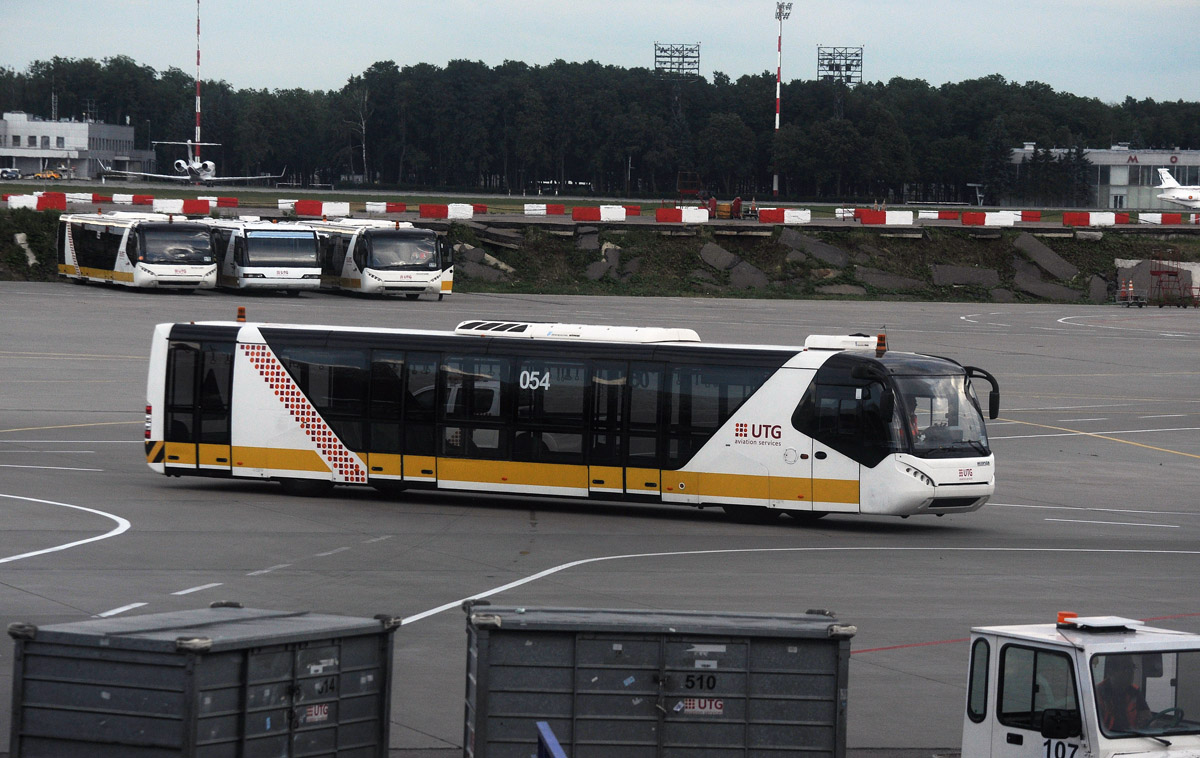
column 1095, row 687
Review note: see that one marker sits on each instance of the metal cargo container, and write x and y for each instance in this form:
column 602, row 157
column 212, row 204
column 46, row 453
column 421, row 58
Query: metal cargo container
column 655, row 684
column 211, row 683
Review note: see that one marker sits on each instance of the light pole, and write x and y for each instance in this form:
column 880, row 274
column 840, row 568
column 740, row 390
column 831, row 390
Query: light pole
column 782, row 11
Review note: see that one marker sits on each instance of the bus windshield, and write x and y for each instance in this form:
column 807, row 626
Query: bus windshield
column 281, row 248
column 391, row 251
column 176, row 244
column 941, row 415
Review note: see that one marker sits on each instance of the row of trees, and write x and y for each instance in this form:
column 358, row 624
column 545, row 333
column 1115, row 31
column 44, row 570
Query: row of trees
column 516, row 127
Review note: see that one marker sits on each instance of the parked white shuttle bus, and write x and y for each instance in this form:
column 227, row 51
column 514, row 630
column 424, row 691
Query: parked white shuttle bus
column 650, row 414
column 266, row 255
column 373, row 256
column 136, row 250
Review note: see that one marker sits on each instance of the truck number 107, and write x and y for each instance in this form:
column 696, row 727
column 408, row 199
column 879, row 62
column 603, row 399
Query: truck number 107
column 1059, row 749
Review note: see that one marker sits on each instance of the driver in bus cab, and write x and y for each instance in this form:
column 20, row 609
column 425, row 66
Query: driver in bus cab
column 913, row 426
column 1119, row 701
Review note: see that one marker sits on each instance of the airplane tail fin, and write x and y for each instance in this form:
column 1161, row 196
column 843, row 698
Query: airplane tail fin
column 1168, row 181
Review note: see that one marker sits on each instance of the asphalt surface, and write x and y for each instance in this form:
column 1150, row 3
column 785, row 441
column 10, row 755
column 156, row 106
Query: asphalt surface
column 1096, row 511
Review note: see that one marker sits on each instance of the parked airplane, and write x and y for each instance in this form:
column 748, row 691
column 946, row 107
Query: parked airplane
column 193, row 170
column 1186, row 195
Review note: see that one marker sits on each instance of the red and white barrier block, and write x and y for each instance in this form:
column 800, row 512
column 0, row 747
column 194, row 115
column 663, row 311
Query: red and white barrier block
column 386, row 207
column 320, row 208
column 989, row 218
column 681, row 215
column 884, row 218
column 1163, row 219
column 39, row 201
column 937, row 215
column 1094, row 218
column 784, row 216
column 185, row 207
column 545, row 209
column 220, row 202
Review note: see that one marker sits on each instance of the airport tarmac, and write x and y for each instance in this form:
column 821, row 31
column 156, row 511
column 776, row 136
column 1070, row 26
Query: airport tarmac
column 1096, row 509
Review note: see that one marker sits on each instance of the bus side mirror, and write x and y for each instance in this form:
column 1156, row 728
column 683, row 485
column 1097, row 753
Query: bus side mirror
column 887, row 406
column 994, row 395
column 1060, row 724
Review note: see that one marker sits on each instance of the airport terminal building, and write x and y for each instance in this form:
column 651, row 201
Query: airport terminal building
column 73, row 148
column 1126, row 178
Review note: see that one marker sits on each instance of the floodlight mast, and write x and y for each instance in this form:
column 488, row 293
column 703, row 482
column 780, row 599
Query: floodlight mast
column 782, row 11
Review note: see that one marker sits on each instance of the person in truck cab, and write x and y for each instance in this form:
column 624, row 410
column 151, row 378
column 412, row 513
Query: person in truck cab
column 1119, row 701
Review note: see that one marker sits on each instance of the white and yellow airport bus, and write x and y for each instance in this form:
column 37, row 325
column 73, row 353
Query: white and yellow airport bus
column 136, row 250
column 651, row 414
column 266, row 255
column 377, row 257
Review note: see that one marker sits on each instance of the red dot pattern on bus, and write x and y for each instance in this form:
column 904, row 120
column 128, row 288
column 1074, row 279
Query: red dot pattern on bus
column 339, row 457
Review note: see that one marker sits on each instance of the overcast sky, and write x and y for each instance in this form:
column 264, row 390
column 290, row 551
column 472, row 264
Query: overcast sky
column 1096, row 48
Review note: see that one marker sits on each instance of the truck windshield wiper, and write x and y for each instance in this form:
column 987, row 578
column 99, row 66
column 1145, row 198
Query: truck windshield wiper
column 1165, row 742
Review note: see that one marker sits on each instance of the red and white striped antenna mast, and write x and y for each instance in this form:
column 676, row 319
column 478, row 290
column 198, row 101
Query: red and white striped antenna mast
column 198, row 82
column 782, row 11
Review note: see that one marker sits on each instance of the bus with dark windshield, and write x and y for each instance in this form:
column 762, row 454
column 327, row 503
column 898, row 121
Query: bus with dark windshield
column 265, row 255
column 377, row 257
column 651, row 414
column 148, row 250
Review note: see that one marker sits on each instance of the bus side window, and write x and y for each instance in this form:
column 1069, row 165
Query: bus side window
column 63, row 231
column 131, row 247
column 239, row 250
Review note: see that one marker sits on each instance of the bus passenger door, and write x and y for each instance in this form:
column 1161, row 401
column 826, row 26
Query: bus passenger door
column 606, row 472
column 199, row 384
column 836, row 421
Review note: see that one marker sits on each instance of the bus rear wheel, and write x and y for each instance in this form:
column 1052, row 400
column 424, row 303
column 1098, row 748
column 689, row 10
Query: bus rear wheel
column 306, row 487
column 750, row 514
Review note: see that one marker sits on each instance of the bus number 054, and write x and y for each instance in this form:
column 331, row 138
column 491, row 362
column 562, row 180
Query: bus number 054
column 532, row 380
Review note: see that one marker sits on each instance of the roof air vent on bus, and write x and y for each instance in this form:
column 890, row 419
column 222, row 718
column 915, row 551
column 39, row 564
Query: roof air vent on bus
column 581, row 332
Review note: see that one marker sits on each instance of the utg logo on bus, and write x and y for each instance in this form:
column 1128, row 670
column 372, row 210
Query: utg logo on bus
column 757, row 434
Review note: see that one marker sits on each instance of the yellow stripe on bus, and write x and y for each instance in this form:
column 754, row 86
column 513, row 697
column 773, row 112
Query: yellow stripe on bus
column 273, row 458
column 447, row 285
column 512, row 473
column 96, row 273
column 835, row 490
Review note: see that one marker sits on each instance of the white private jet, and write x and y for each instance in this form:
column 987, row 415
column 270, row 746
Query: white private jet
column 193, row 170
column 1186, row 195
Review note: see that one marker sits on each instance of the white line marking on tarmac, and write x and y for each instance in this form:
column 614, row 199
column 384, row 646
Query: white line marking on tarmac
column 730, row 551
column 72, row 442
column 1095, row 510
column 1065, row 420
column 333, row 552
column 190, row 590
column 377, row 539
column 1111, row 523
column 115, row 611
column 1094, row 434
column 122, row 526
column 49, row 468
column 1166, row 415
column 260, row 572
